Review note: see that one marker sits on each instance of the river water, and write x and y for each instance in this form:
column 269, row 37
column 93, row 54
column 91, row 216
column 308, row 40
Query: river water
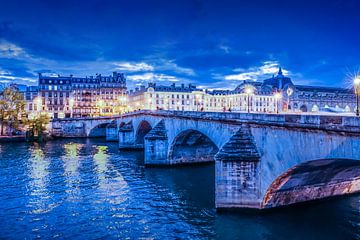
column 88, row 189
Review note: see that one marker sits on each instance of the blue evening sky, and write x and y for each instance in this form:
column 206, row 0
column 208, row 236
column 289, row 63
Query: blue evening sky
column 214, row 44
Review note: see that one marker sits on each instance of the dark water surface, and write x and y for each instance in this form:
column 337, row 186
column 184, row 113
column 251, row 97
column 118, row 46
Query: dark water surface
column 87, row 189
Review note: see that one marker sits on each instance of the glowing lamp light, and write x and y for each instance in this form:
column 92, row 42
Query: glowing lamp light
column 249, row 90
column 277, row 95
column 357, row 81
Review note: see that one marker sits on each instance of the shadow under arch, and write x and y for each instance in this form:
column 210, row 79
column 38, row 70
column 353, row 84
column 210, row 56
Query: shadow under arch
column 192, row 146
column 313, row 180
column 143, row 129
column 99, row 130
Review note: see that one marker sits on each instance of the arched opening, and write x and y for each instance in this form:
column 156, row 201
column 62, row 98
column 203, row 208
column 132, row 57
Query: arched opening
column 347, row 109
column 303, row 108
column 192, row 146
column 314, row 180
column 143, row 129
column 315, row 108
column 121, row 124
column 99, row 130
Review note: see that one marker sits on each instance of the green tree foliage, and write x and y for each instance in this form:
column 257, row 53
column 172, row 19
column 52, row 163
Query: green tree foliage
column 12, row 108
column 37, row 125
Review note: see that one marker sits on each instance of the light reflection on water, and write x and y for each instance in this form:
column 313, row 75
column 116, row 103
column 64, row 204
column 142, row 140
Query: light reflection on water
column 87, row 189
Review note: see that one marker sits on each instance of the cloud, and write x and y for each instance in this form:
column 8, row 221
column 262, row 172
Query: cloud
column 133, row 66
column 267, row 69
column 153, row 65
column 225, row 48
column 170, row 65
column 148, row 77
column 8, row 77
column 10, row 50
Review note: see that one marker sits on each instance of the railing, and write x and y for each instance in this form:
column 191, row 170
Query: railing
column 328, row 122
column 325, row 122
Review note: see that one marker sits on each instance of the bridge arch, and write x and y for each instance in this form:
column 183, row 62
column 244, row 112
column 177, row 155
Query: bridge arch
column 312, row 180
column 191, row 146
column 303, row 108
column 121, row 124
column 99, row 130
column 143, row 128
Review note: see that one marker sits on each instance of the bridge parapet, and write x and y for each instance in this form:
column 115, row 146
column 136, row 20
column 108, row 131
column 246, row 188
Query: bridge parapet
column 323, row 122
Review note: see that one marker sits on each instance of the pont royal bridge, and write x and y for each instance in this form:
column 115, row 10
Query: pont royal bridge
column 261, row 160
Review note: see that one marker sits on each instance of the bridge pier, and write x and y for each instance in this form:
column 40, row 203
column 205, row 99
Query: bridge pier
column 156, row 146
column 112, row 132
column 237, row 181
column 127, row 136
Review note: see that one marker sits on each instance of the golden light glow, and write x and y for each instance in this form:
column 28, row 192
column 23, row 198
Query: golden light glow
column 100, row 103
column 277, row 95
column 37, row 100
column 71, row 102
column 357, row 81
column 122, row 99
column 249, row 90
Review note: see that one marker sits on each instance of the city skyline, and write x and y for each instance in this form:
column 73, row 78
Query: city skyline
column 210, row 44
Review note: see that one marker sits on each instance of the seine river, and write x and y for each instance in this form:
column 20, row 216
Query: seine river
column 87, row 189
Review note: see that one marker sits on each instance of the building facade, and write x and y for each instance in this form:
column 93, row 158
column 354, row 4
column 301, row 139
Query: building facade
column 273, row 95
column 191, row 98
column 63, row 97
column 300, row 98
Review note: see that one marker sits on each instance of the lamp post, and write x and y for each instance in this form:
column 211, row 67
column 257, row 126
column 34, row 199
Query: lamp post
column 357, row 92
column 277, row 98
column 248, row 90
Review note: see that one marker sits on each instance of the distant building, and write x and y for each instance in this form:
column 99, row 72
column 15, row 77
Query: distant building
column 82, row 96
column 276, row 94
column 300, row 98
column 191, row 98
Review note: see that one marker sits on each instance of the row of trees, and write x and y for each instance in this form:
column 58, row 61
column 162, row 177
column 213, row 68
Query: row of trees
column 13, row 117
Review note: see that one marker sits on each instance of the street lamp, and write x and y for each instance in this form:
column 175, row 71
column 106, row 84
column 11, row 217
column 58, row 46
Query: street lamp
column 277, row 98
column 248, row 90
column 357, row 92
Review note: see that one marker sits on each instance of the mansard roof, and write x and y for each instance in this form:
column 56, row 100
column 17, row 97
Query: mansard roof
column 323, row 89
column 163, row 88
column 115, row 77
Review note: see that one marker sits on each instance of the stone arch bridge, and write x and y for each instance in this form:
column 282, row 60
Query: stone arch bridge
column 85, row 127
column 261, row 160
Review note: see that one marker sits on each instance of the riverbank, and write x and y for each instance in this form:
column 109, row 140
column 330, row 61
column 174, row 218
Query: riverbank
column 18, row 138
column 23, row 138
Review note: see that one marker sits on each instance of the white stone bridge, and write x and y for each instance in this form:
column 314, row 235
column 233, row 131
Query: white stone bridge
column 261, row 160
